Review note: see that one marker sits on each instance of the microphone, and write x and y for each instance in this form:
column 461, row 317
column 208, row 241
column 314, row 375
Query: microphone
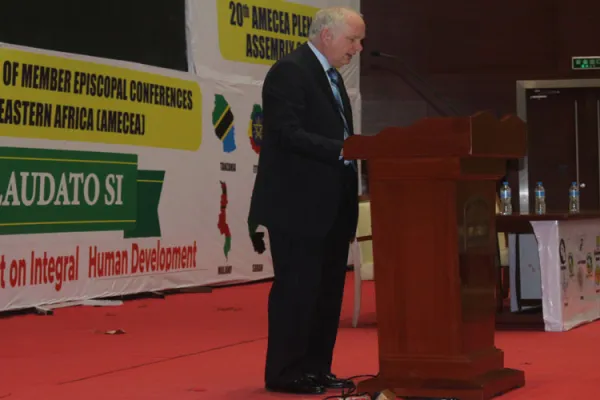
column 418, row 84
column 385, row 55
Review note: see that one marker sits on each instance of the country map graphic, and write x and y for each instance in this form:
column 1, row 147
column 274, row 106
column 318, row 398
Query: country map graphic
column 223, row 122
column 255, row 128
column 222, row 224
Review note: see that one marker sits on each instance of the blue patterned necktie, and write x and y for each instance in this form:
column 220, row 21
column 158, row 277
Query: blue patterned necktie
column 332, row 73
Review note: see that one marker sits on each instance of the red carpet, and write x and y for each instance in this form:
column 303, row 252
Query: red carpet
column 211, row 346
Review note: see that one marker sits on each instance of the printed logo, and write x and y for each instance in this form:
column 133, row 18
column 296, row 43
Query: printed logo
column 597, row 271
column 255, row 129
column 571, row 265
column 562, row 252
column 222, row 224
column 564, row 279
column 580, row 274
column 223, row 122
column 597, row 274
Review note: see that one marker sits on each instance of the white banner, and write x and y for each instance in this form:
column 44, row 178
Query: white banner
column 570, row 272
column 232, row 46
column 118, row 178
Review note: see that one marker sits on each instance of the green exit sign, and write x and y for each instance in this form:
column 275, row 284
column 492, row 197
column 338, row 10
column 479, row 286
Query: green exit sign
column 585, row 62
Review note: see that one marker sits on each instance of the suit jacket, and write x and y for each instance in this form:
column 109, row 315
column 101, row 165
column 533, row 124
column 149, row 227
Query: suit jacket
column 301, row 183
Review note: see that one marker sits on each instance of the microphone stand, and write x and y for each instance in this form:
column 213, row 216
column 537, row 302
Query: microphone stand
column 417, row 83
column 420, row 86
column 423, row 89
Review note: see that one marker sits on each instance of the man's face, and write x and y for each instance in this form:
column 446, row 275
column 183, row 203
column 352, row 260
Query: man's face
column 343, row 42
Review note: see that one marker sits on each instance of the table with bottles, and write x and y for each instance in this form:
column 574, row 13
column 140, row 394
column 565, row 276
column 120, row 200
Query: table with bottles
column 554, row 257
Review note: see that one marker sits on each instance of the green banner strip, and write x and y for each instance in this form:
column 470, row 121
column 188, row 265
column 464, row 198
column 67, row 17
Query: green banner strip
column 52, row 191
column 149, row 187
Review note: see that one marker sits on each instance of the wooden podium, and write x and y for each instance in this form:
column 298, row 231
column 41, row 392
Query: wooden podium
column 432, row 191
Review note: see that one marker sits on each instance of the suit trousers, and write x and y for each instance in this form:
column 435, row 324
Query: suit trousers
column 306, row 298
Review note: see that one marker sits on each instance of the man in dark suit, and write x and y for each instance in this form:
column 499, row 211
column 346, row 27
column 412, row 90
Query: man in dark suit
column 306, row 195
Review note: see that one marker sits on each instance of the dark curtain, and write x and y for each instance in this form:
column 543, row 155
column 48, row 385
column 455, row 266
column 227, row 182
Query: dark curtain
column 150, row 32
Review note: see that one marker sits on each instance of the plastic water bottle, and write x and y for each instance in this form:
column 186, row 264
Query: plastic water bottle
column 574, row 198
column 540, row 199
column 505, row 199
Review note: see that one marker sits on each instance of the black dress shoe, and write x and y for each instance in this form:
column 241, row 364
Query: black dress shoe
column 331, row 381
column 304, row 385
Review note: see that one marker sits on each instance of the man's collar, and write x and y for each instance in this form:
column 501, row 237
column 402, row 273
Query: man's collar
column 320, row 57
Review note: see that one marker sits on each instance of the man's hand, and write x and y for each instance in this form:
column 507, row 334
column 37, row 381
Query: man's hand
column 258, row 242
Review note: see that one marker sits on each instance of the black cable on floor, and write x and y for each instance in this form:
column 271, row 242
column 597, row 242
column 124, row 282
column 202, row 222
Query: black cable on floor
column 352, row 391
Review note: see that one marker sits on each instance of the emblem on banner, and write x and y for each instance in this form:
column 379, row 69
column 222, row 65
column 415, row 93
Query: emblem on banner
column 562, row 252
column 581, row 275
column 223, row 122
column 476, row 220
column 255, row 130
column 597, row 265
column 571, row 265
column 564, row 281
column 597, row 275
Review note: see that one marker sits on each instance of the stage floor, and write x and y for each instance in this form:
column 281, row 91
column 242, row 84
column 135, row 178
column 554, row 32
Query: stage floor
column 212, row 346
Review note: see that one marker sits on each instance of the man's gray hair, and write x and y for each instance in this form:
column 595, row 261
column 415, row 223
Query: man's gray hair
column 330, row 18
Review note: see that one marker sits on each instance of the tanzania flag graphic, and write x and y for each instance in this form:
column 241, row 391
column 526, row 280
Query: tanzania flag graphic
column 223, row 122
column 223, row 225
column 255, row 130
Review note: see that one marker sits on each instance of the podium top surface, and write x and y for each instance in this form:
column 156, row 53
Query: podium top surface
column 521, row 223
column 552, row 216
column 480, row 135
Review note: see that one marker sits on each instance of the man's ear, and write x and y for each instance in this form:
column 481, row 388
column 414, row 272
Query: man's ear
column 326, row 36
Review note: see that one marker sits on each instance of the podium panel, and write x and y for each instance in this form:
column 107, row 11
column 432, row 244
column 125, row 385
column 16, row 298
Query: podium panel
column 434, row 243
